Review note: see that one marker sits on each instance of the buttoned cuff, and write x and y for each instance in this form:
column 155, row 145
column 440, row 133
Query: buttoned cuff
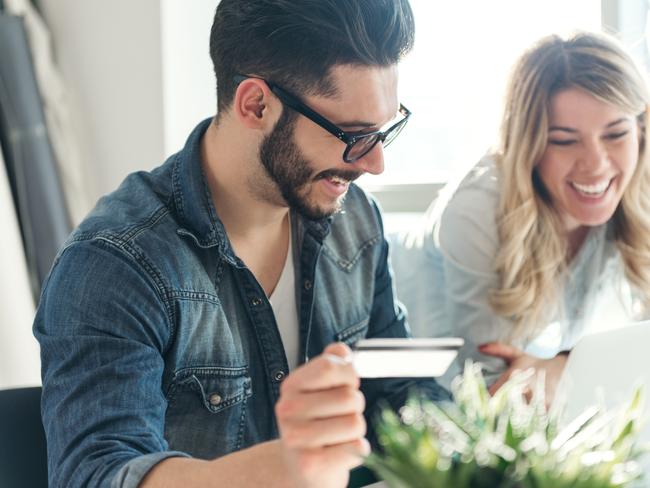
column 133, row 472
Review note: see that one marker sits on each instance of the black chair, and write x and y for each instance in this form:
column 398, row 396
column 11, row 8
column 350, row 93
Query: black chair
column 361, row 476
column 23, row 455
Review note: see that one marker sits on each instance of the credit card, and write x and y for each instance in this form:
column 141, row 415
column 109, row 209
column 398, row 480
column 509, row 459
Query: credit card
column 404, row 358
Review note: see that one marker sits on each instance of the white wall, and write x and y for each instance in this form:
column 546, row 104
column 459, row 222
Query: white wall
column 110, row 55
column 138, row 83
column 19, row 353
column 189, row 89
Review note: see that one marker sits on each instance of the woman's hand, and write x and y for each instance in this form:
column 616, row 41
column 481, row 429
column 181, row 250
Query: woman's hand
column 516, row 359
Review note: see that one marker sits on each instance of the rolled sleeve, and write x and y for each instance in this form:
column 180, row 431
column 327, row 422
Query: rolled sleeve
column 132, row 473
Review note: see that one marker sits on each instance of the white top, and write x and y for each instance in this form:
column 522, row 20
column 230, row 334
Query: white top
column 444, row 271
column 283, row 302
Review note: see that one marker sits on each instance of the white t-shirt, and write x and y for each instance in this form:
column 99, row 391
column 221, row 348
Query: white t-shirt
column 283, row 302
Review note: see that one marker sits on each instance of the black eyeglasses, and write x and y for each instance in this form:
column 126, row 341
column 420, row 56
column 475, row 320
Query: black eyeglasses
column 358, row 144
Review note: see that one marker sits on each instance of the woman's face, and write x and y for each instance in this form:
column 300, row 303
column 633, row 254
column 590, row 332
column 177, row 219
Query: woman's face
column 591, row 154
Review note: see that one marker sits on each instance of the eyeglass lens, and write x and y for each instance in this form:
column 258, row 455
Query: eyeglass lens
column 362, row 147
column 391, row 135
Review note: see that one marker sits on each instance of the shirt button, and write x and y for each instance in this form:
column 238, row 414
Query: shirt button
column 256, row 302
column 215, row 399
column 279, row 375
column 307, row 284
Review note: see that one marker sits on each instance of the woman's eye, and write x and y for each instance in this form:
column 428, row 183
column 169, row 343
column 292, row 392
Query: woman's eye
column 616, row 135
column 561, row 142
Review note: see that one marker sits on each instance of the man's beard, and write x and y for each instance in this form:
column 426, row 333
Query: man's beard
column 291, row 172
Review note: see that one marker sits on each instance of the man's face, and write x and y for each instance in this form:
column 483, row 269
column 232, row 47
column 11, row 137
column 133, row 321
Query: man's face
column 306, row 162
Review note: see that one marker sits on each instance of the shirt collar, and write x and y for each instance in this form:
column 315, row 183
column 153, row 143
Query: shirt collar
column 192, row 196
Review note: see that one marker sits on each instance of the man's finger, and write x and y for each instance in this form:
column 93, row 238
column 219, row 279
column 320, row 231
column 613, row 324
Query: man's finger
column 339, row 349
column 342, row 400
column 324, row 432
column 331, row 369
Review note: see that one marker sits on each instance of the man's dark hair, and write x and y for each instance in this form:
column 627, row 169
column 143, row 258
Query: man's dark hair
column 295, row 43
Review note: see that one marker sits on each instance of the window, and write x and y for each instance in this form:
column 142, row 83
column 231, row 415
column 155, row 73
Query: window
column 454, row 79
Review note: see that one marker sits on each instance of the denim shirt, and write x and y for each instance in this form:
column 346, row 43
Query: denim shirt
column 158, row 341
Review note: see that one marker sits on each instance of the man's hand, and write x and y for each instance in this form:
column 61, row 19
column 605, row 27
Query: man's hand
column 519, row 360
column 320, row 417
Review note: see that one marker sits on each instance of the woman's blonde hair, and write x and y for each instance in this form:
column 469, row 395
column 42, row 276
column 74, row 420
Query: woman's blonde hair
column 532, row 258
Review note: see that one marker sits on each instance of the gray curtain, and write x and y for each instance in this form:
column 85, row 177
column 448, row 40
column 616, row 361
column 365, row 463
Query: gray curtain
column 31, row 167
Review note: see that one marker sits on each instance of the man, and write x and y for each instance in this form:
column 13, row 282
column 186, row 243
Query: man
column 175, row 312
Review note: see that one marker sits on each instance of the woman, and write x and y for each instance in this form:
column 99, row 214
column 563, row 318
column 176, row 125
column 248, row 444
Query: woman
column 517, row 256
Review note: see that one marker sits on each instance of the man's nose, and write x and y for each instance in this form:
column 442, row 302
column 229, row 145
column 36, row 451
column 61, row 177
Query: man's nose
column 373, row 162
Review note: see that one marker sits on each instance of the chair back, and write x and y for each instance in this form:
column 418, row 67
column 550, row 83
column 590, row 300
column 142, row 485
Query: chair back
column 23, row 455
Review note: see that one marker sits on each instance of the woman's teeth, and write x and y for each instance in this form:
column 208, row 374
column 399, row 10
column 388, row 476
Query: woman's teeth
column 592, row 190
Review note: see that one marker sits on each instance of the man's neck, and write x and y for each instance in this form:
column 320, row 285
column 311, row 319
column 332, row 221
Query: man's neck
column 230, row 164
column 258, row 230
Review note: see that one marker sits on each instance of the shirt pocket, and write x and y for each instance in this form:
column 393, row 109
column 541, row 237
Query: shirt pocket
column 206, row 410
column 354, row 332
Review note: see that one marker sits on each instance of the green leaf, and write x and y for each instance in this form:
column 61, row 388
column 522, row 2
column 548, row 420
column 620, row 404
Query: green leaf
column 505, row 442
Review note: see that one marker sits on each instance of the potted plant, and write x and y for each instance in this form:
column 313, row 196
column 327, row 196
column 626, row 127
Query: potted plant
column 506, row 441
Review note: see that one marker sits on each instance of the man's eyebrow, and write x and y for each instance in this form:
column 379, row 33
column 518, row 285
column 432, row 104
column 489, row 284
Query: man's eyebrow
column 573, row 131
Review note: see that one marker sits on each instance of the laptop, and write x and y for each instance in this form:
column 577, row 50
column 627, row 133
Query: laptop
column 604, row 368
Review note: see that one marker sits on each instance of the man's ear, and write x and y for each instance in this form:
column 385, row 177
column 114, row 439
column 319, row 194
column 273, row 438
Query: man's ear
column 254, row 105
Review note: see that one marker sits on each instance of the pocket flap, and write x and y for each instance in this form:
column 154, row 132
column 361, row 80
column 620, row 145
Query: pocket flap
column 217, row 388
column 353, row 333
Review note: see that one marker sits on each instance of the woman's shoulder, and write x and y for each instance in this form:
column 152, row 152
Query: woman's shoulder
column 476, row 189
column 466, row 229
column 475, row 197
column 482, row 180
